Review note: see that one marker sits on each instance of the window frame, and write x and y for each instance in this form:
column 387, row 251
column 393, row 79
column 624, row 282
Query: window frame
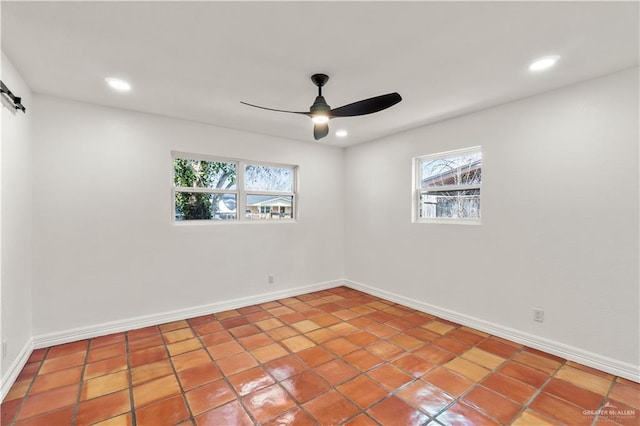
column 417, row 189
column 240, row 192
column 247, row 192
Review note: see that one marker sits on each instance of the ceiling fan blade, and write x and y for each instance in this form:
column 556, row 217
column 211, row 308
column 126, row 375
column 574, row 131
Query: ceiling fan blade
column 367, row 106
column 277, row 110
column 320, row 130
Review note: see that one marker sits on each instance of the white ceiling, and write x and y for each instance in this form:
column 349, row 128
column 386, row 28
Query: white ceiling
column 198, row 60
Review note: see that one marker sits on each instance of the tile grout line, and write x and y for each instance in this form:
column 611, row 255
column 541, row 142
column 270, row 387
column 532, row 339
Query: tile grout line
column 276, row 382
column 430, row 320
column 337, row 356
column 331, row 386
column 389, row 362
column 224, row 376
column 239, row 398
column 565, row 362
column 538, row 391
column 183, row 393
column 364, row 411
column 476, row 383
column 81, row 384
column 28, row 390
column 134, row 421
column 604, row 400
column 375, row 367
column 295, row 354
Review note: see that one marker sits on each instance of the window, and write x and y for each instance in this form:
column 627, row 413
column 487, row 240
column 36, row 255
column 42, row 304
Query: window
column 447, row 186
column 213, row 189
column 204, row 189
column 269, row 192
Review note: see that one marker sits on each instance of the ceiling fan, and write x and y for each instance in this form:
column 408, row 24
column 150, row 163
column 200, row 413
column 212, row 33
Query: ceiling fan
column 320, row 112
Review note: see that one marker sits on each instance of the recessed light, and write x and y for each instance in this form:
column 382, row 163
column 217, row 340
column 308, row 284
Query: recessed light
column 341, row 133
column 544, row 63
column 118, row 84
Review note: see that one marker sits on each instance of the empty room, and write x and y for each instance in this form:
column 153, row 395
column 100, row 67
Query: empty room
column 320, row 213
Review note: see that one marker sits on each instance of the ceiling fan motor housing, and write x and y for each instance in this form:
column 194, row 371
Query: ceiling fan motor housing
column 319, row 106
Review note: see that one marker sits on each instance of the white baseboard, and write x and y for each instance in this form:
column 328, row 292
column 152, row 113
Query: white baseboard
column 591, row 359
column 16, row 367
column 572, row 353
column 96, row 330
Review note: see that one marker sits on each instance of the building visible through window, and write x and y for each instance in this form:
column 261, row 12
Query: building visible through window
column 269, row 192
column 448, row 186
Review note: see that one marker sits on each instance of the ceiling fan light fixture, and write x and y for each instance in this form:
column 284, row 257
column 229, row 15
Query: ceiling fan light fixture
column 320, row 119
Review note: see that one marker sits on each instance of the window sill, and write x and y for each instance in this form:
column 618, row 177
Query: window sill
column 229, row 222
column 449, row 221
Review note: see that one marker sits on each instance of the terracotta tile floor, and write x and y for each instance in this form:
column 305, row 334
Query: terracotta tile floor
column 331, row 357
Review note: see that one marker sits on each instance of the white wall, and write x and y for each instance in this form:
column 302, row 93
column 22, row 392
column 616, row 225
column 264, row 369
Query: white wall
column 16, row 223
column 559, row 232
column 559, row 218
column 105, row 247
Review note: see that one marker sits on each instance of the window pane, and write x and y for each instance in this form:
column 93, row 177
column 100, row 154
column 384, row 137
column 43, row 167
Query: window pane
column 205, row 206
column 204, row 174
column 266, row 178
column 450, row 204
column 459, row 170
column 267, row 207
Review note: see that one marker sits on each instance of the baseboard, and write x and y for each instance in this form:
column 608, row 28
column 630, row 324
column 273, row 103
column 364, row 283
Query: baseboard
column 16, row 367
column 591, row 359
column 96, row 330
column 572, row 353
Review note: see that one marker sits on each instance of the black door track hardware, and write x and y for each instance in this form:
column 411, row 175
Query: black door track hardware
column 15, row 100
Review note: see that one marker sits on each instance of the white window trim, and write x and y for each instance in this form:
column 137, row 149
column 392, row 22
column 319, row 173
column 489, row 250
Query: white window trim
column 240, row 191
column 417, row 189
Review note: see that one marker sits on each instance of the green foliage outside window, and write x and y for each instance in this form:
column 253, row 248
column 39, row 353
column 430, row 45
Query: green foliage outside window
column 201, row 174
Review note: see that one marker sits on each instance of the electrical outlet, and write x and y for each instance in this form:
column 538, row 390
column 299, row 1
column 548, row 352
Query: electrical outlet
column 5, row 347
column 270, row 279
column 538, row 315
